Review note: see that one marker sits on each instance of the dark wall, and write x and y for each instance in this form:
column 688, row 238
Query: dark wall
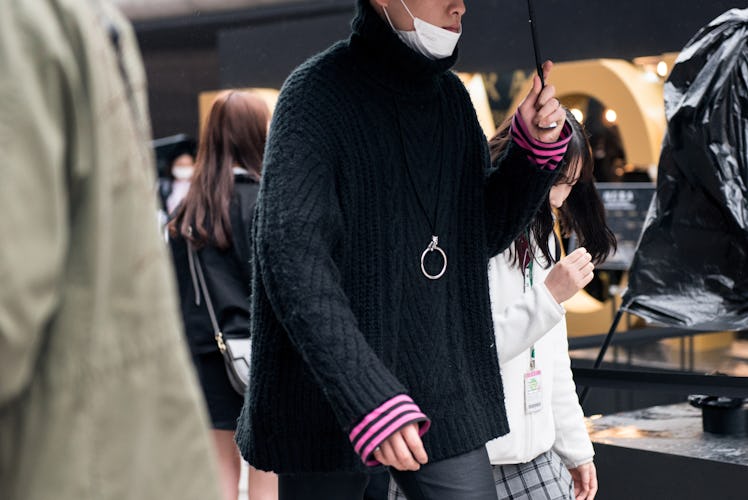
column 182, row 58
column 175, row 78
column 263, row 55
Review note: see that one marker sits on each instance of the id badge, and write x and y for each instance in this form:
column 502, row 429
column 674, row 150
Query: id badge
column 533, row 392
column 527, row 284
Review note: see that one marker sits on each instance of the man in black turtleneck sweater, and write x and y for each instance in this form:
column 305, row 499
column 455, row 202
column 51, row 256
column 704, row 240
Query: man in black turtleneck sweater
column 377, row 214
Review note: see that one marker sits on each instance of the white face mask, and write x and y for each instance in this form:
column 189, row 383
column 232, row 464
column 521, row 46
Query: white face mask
column 182, row 172
column 428, row 40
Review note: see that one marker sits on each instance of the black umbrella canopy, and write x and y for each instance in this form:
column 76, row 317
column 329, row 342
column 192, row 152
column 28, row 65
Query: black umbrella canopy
column 691, row 266
column 496, row 36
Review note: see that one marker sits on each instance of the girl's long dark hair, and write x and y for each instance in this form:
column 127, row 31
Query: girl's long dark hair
column 582, row 213
column 234, row 136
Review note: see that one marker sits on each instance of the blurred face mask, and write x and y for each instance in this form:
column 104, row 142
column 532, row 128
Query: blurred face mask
column 182, row 172
column 428, row 40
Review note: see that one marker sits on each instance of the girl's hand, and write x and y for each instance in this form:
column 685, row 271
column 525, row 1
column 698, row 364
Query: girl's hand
column 585, row 481
column 570, row 274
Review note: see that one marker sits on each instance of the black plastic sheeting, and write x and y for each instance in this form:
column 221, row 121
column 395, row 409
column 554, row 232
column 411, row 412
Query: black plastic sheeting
column 691, row 265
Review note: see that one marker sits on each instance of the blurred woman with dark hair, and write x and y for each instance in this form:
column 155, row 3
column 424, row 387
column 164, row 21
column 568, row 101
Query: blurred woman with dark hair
column 215, row 218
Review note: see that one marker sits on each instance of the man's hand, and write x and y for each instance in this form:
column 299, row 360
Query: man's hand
column 540, row 110
column 570, row 274
column 585, row 481
column 403, row 450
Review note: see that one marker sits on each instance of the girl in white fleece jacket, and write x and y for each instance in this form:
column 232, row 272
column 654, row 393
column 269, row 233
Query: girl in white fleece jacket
column 548, row 444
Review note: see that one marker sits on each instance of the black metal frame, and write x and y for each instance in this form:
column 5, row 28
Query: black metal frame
column 713, row 385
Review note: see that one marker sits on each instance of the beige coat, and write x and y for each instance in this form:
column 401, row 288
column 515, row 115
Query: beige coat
column 97, row 396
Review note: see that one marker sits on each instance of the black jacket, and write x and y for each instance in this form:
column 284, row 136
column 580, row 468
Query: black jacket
column 227, row 274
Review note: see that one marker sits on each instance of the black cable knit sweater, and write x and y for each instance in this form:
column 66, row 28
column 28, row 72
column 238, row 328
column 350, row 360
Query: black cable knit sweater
column 342, row 317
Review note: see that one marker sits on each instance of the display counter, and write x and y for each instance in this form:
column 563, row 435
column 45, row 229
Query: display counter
column 662, row 453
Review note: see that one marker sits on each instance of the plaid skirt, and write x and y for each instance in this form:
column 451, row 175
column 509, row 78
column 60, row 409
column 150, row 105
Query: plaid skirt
column 544, row 478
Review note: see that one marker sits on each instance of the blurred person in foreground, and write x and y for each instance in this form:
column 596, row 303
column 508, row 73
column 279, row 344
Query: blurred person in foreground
column 379, row 209
column 98, row 400
column 215, row 219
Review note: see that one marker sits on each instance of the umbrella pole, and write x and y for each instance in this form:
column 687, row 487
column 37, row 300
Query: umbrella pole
column 535, row 47
column 603, row 350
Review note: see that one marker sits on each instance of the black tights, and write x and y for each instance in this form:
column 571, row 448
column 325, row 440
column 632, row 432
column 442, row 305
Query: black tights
column 464, row 477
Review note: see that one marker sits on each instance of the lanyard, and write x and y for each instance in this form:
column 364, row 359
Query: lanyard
column 527, row 282
column 527, row 274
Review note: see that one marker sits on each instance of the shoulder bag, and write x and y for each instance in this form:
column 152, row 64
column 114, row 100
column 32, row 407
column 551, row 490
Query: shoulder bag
column 236, row 351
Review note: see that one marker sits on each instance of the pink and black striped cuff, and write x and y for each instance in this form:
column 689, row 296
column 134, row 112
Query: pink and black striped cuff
column 384, row 421
column 544, row 155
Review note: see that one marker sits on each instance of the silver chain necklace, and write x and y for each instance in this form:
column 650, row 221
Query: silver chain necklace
column 433, row 245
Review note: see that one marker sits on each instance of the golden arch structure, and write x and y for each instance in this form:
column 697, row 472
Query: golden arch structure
column 635, row 94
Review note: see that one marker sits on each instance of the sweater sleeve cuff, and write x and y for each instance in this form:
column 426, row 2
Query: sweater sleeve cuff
column 551, row 301
column 546, row 155
column 573, row 465
column 384, row 421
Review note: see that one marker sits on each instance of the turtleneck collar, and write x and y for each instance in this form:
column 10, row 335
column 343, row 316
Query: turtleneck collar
column 388, row 59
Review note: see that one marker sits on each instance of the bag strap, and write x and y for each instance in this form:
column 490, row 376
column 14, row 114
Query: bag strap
column 197, row 269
